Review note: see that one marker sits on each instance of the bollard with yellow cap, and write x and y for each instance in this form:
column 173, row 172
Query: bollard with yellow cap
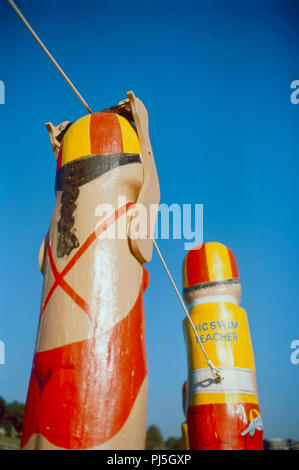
column 88, row 386
column 221, row 415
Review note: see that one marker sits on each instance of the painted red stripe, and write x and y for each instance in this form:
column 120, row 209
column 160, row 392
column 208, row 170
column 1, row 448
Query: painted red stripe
column 197, row 266
column 233, row 263
column 80, row 395
column 105, row 134
column 75, row 297
column 59, row 159
column 55, row 284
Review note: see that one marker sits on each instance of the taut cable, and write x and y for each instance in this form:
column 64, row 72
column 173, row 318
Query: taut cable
column 214, row 369
column 46, row 51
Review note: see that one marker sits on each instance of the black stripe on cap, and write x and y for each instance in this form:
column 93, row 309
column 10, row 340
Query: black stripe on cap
column 85, row 169
column 204, row 285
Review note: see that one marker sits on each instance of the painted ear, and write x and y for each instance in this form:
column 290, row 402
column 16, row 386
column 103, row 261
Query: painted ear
column 42, row 253
column 56, row 134
column 149, row 195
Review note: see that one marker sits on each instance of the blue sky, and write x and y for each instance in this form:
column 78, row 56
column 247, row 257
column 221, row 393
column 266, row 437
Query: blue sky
column 215, row 77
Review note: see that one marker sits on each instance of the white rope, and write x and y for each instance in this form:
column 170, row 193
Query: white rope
column 215, row 371
column 23, row 19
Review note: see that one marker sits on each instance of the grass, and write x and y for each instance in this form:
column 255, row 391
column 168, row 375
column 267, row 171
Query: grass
column 11, row 441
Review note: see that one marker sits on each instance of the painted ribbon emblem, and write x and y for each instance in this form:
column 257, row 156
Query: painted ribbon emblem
column 254, row 424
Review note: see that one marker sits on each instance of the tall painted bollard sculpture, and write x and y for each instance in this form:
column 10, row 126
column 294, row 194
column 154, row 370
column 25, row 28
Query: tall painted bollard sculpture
column 88, row 386
column 221, row 415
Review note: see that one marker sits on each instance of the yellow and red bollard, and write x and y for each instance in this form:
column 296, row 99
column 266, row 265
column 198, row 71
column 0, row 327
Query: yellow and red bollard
column 221, row 415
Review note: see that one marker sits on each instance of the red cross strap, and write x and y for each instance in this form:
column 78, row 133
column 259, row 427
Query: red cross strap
column 59, row 276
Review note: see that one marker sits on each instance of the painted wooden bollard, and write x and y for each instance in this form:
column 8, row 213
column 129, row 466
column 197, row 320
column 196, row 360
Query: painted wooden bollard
column 88, row 386
column 185, row 437
column 221, row 415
